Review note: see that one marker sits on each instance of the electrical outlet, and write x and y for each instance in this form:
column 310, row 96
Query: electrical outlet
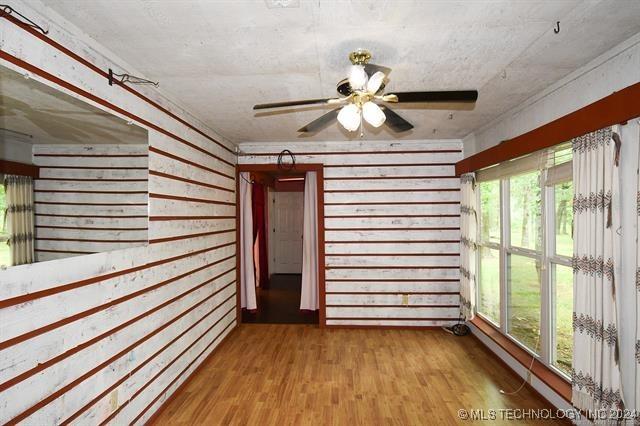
column 113, row 400
column 405, row 299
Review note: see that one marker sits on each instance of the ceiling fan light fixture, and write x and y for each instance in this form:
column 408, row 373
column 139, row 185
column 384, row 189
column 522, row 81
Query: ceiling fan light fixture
column 373, row 114
column 375, row 81
column 357, row 77
column 349, row 117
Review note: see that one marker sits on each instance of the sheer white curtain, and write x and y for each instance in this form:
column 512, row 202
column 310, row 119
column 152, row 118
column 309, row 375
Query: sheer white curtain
column 468, row 227
column 20, row 226
column 247, row 268
column 596, row 372
column 309, row 298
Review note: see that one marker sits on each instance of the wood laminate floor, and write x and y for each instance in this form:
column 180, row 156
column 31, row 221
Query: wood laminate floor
column 276, row 374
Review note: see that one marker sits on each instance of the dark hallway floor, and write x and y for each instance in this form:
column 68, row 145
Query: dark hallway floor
column 280, row 304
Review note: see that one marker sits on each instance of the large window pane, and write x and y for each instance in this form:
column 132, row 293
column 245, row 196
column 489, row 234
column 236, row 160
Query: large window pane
column 489, row 285
column 490, row 211
column 563, row 317
column 523, row 283
column 525, row 209
column 564, row 218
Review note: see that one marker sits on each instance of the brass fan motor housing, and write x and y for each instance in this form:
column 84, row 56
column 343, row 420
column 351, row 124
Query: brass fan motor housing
column 360, row 57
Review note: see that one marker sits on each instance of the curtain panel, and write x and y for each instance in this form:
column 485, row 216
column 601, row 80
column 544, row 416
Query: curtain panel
column 309, row 295
column 247, row 271
column 468, row 247
column 20, row 222
column 596, row 373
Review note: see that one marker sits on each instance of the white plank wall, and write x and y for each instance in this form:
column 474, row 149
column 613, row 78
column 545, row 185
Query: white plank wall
column 108, row 337
column 392, row 228
column 78, row 177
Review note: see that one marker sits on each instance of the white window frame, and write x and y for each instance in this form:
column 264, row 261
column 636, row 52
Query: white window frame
column 549, row 177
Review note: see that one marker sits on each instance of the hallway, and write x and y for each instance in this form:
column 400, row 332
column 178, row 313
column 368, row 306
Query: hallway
column 280, row 303
column 300, row 374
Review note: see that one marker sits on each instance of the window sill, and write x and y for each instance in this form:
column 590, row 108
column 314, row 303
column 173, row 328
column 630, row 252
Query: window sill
column 555, row 381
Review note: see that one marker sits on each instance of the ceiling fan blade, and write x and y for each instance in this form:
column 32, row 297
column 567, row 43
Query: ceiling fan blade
column 371, row 69
column 320, row 122
column 466, row 96
column 296, row 103
column 394, row 121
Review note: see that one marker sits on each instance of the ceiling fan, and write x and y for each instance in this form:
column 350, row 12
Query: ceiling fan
column 363, row 99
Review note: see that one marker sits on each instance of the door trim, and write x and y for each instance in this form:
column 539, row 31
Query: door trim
column 313, row 167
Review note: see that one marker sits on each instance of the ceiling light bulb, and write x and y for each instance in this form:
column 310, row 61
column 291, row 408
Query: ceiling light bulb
column 357, row 77
column 375, row 81
column 373, row 114
column 349, row 117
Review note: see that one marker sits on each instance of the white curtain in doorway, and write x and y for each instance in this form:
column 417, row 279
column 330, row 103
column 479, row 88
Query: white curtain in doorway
column 309, row 298
column 247, row 270
column 595, row 374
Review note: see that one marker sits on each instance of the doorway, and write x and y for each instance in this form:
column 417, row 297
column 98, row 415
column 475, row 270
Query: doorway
column 278, row 298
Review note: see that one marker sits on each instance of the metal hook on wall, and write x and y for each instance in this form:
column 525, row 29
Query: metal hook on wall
column 126, row 78
column 557, row 27
column 5, row 9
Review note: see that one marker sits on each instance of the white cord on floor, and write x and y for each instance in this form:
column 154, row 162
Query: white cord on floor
column 528, row 376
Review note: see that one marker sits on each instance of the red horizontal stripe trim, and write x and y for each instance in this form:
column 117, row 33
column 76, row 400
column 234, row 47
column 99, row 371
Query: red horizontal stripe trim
column 343, row 191
column 391, row 319
column 64, row 179
column 66, row 251
column 399, row 203
column 57, row 324
column 392, row 177
column 82, row 283
column 89, row 167
column 94, row 370
column 392, row 254
column 163, row 218
column 391, row 165
column 90, row 216
column 393, row 306
column 145, row 362
column 74, row 191
column 370, row 216
column 90, row 155
column 393, row 241
column 182, row 237
column 87, row 204
column 88, row 240
column 378, row 280
column 90, row 228
column 394, row 293
column 419, row 151
column 431, row 228
column 44, row 365
column 194, row 182
column 392, row 267
column 189, row 162
column 190, row 199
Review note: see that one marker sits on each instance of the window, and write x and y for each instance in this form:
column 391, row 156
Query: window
column 5, row 257
column 524, row 300
column 489, row 249
column 525, row 244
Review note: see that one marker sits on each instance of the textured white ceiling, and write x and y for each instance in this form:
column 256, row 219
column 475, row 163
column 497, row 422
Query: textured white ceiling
column 218, row 58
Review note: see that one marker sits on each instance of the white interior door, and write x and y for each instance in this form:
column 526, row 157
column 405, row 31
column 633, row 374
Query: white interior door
column 286, row 222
